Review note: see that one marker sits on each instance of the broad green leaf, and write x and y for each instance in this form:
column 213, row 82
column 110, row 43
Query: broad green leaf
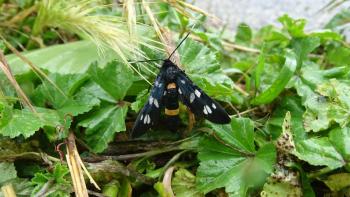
column 292, row 104
column 338, row 55
column 303, row 46
column 74, row 57
column 7, row 171
column 259, row 70
column 115, row 78
column 203, row 68
column 279, row 84
column 103, row 124
column 294, row 27
column 140, row 100
column 66, row 95
column 218, row 89
column 224, row 159
column 59, row 177
column 25, row 122
column 244, row 33
column 280, row 189
column 111, row 189
column 337, row 182
column 340, row 138
column 239, row 134
column 184, row 184
column 197, row 58
column 341, row 18
column 319, row 152
column 330, row 105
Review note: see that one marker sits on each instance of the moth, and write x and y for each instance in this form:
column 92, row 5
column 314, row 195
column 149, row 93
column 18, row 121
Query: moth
column 170, row 86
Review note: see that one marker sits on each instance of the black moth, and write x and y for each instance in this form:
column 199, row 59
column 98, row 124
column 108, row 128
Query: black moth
column 172, row 84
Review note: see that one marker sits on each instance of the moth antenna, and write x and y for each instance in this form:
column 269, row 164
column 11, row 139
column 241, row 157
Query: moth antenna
column 146, row 61
column 181, row 41
column 179, row 45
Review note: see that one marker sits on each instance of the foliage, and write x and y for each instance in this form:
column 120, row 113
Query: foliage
column 286, row 89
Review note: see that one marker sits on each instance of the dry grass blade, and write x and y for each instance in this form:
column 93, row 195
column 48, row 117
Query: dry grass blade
column 130, row 15
column 75, row 168
column 167, row 181
column 7, row 71
column 107, row 32
column 8, row 190
column 36, row 70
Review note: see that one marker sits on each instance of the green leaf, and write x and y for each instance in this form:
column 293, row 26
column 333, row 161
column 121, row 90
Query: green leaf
column 340, row 138
column 279, row 84
column 197, row 58
column 102, row 126
column 223, row 160
column 280, row 189
column 337, row 182
column 338, row 55
column 319, row 152
column 203, row 68
column 303, row 46
column 7, row 171
column 115, row 78
column 259, row 70
column 292, row 104
column 25, row 122
column 74, row 57
column 331, row 105
column 66, row 95
column 184, row 184
column 239, row 134
column 244, row 33
column 60, row 186
column 294, row 27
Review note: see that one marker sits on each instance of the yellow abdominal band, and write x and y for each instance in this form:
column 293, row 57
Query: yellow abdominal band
column 172, row 112
column 171, row 86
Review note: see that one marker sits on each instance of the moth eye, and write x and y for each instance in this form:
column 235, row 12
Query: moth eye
column 192, row 96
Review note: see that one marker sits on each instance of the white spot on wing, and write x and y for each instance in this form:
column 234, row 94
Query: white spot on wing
column 148, row 119
column 183, row 81
column 164, row 93
column 205, row 110
column 192, row 96
column 156, row 83
column 208, row 109
column 141, row 117
column 198, row 93
column 156, row 103
column 145, row 120
column 213, row 105
column 150, row 100
column 179, row 91
column 160, row 84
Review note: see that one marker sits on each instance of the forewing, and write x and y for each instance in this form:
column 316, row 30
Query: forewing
column 149, row 115
column 199, row 102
